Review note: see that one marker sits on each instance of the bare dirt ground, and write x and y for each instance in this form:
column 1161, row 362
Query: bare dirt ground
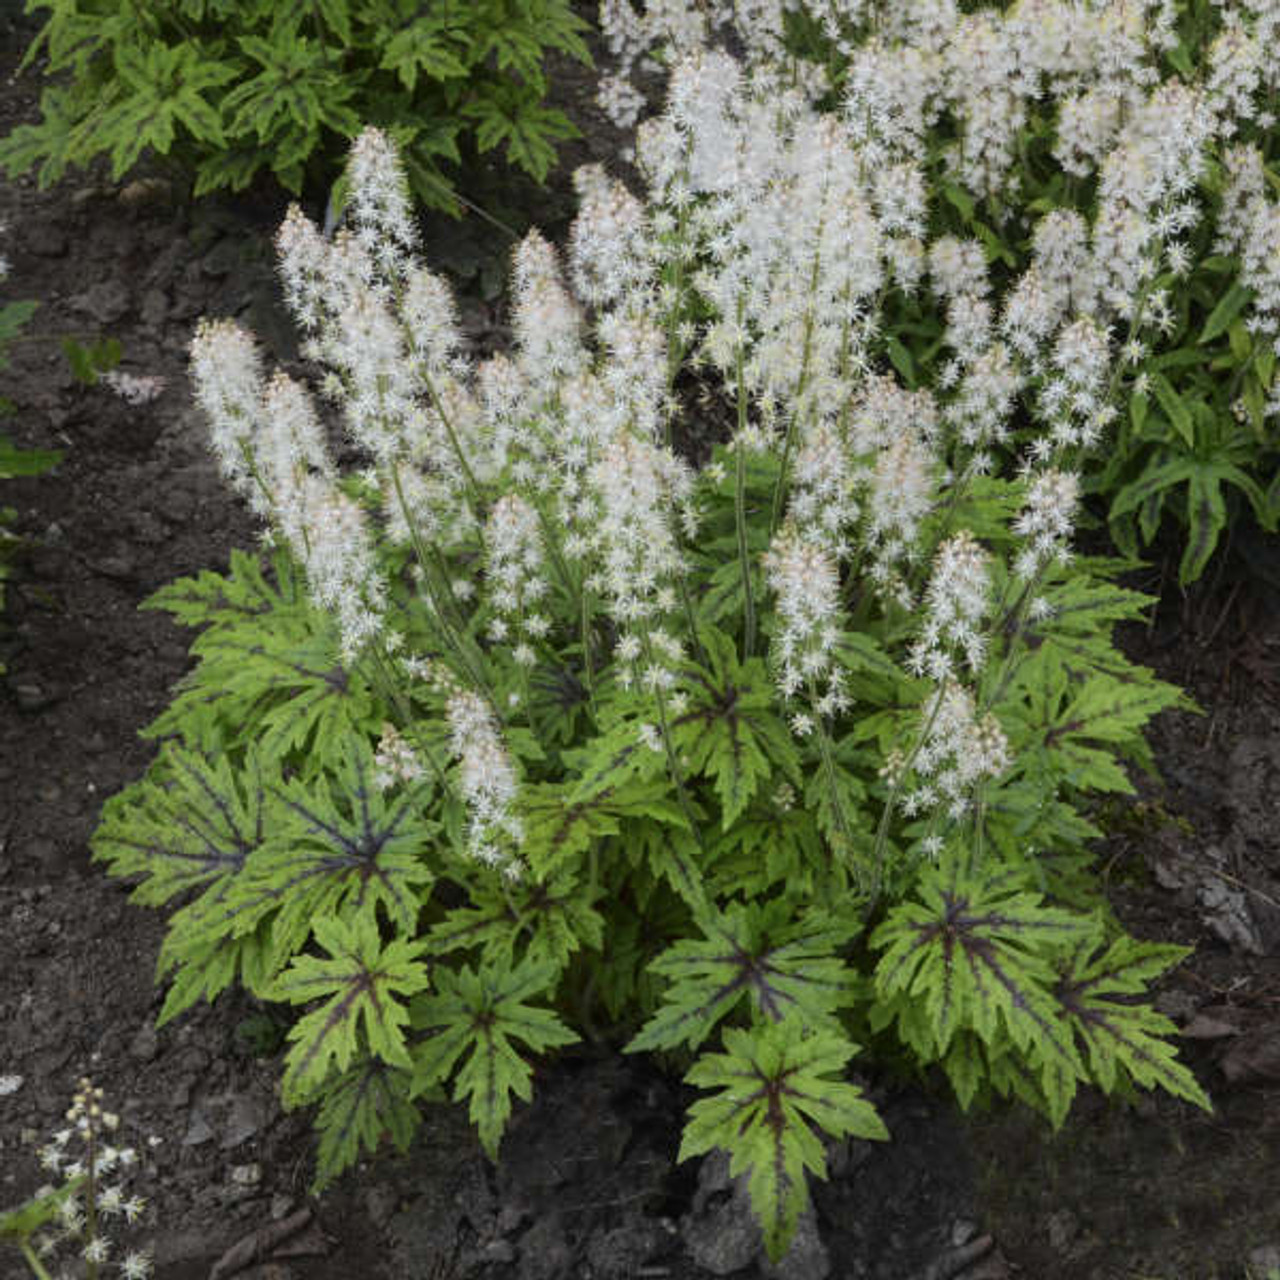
column 588, row 1186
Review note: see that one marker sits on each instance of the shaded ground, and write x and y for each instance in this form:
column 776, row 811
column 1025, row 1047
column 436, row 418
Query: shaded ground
column 588, row 1186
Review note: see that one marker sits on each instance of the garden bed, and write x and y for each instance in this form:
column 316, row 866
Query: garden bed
column 588, row 1185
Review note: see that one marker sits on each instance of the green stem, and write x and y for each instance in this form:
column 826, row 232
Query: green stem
column 740, row 516
column 673, row 761
column 451, row 634
column 33, row 1260
column 895, row 790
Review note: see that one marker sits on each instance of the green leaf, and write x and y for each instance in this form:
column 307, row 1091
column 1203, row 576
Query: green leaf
column 26, row 462
column 731, row 732
column 358, row 1110
column 343, row 847
column 361, row 984
column 973, row 953
column 546, row 921
column 423, row 47
column 1207, row 517
column 776, row 1082
column 756, row 952
column 270, row 669
column 1229, row 307
column 1175, row 407
column 1158, row 477
column 479, row 1016
column 1121, row 1037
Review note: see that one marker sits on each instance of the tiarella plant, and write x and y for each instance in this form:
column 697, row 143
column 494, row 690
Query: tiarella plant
column 233, row 88
column 679, row 678
column 85, row 1212
column 1114, row 159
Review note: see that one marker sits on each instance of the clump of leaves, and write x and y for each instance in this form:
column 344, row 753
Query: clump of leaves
column 229, row 91
column 528, row 729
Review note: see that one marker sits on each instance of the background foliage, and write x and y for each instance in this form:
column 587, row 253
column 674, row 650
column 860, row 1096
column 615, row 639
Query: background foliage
column 230, row 89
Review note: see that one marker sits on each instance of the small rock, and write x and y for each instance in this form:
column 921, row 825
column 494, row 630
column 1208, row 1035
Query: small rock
column 380, row 1204
column 619, row 1254
column 545, row 1253
column 1254, row 1056
column 962, row 1231
column 224, row 258
column 246, row 1175
column 1063, row 1227
column 501, row 1252
column 199, row 1130
column 145, row 1044
column 31, row 696
column 1227, row 914
column 246, row 1115
column 724, row 1239
column 146, row 191
column 281, row 1206
column 510, row 1216
column 106, row 302
column 117, row 566
column 155, row 308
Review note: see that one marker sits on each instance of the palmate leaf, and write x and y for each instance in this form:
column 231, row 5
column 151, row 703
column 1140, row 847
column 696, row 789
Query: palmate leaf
column 543, row 920
column 357, row 1111
column 757, row 951
column 343, row 847
column 202, row 956
column 975, row 953
column 164, row 90
column 269, row 669
column 558, row 830
column 776, row 1082
column 480, row 1015
column 730, row 732
column 362, row 983
column 1122, row 1037
column 1074, row 732
column 191, row 824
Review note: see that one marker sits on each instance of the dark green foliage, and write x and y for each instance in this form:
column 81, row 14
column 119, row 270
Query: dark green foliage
column 232, row 90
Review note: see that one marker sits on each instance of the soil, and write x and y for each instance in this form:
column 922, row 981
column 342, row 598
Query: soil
column 588, row 1185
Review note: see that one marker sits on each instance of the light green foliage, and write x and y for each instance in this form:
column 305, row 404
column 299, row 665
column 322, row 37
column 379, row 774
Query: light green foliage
column 480, row 1015
column 233, row 90
column 361, row 1016
column 776, row 1081
column 976, row 969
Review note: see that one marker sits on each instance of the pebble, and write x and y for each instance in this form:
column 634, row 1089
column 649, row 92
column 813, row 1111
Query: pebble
column 106, row 302
column 31, row 696
column 246, row 1175
column 145, row 1043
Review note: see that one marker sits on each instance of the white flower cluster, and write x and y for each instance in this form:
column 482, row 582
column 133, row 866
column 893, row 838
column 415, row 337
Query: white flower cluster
column 806, row 580
column 270, row 444
column 1249, row 227
column 516, row 578
column 84, row 1153
column 960, row 750
column 488, row 780
column 957, row 600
